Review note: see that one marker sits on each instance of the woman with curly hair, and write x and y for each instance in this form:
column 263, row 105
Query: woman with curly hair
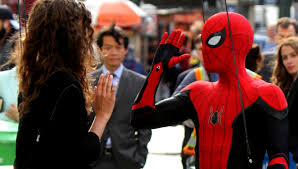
column 55, row 97
column 286, row 64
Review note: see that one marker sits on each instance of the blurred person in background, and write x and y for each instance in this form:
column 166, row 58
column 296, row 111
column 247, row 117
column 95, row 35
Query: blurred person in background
column 131, row 63
column 271, row 43
column 123, row 146
column 284, row 73
column 196, row 54
column 254, row 59
column 285, row 27
column 9, row 84
column 8, row 26
column 54, row 94
column 195, row 30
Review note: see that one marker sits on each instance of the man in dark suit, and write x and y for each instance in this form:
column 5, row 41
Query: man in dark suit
column 124, row 147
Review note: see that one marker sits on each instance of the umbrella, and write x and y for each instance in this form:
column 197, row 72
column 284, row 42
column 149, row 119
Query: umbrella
column 121, row 12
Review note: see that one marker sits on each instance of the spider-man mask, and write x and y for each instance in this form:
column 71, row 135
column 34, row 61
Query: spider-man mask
column 217, row 46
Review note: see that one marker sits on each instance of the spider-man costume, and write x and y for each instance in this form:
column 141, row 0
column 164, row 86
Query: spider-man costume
column 215, row 106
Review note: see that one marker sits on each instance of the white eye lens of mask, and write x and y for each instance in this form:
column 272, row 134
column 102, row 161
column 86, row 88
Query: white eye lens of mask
column 214, row 40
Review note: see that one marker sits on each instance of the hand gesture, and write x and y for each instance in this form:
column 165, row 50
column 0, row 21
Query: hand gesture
column 12, row 112
column 167, row 53
column 104, row 97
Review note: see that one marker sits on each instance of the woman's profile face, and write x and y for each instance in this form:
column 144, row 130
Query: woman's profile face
column 289, row 59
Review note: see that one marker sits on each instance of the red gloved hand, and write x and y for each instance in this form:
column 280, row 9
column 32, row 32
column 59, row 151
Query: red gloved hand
column 168, row 51
column 166, row 56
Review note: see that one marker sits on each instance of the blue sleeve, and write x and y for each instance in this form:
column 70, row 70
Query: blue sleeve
column 189, row 78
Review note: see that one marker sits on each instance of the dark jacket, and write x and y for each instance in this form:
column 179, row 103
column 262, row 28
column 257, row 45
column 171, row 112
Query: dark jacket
column 293, row 117
column 129, row 145
column 54, row 132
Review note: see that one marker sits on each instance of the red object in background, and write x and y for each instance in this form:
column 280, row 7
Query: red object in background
column 13, row 4
column 24, row 5
column 188, row 17
column 121, row 12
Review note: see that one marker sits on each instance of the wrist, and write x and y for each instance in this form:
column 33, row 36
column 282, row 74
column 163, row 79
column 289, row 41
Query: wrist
column 98, row 126
column 102, row 118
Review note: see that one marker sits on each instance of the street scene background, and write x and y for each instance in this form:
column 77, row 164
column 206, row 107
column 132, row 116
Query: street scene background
column 145, row 21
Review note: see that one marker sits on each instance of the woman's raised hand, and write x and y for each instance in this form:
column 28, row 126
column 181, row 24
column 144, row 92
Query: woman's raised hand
column 104, row 97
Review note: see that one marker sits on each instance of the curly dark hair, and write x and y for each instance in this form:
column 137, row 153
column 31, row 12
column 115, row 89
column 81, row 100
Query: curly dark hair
column 254, row 59
column 59, row 38
column 280, row 76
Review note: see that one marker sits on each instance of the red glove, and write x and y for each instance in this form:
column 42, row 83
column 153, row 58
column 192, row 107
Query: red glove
column 167, row 55
column 168, row 50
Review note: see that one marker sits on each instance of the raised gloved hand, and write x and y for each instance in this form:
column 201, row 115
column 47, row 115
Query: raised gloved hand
column 167, row 54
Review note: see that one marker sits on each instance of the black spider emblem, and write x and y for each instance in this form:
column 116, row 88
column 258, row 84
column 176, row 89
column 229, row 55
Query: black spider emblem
column 215, row 116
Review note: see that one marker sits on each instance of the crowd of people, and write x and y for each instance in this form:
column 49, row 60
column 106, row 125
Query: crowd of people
column 86, row 103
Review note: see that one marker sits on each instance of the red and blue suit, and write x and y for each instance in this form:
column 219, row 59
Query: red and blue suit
column 215, row 107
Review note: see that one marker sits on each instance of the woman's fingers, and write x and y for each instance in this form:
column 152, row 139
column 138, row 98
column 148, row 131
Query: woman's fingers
column 105, row 84
column 109, row 84
column 105, row 87
column 99, row 84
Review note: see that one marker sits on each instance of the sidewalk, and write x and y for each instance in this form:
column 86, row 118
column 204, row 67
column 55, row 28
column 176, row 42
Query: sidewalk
column 164, row 148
